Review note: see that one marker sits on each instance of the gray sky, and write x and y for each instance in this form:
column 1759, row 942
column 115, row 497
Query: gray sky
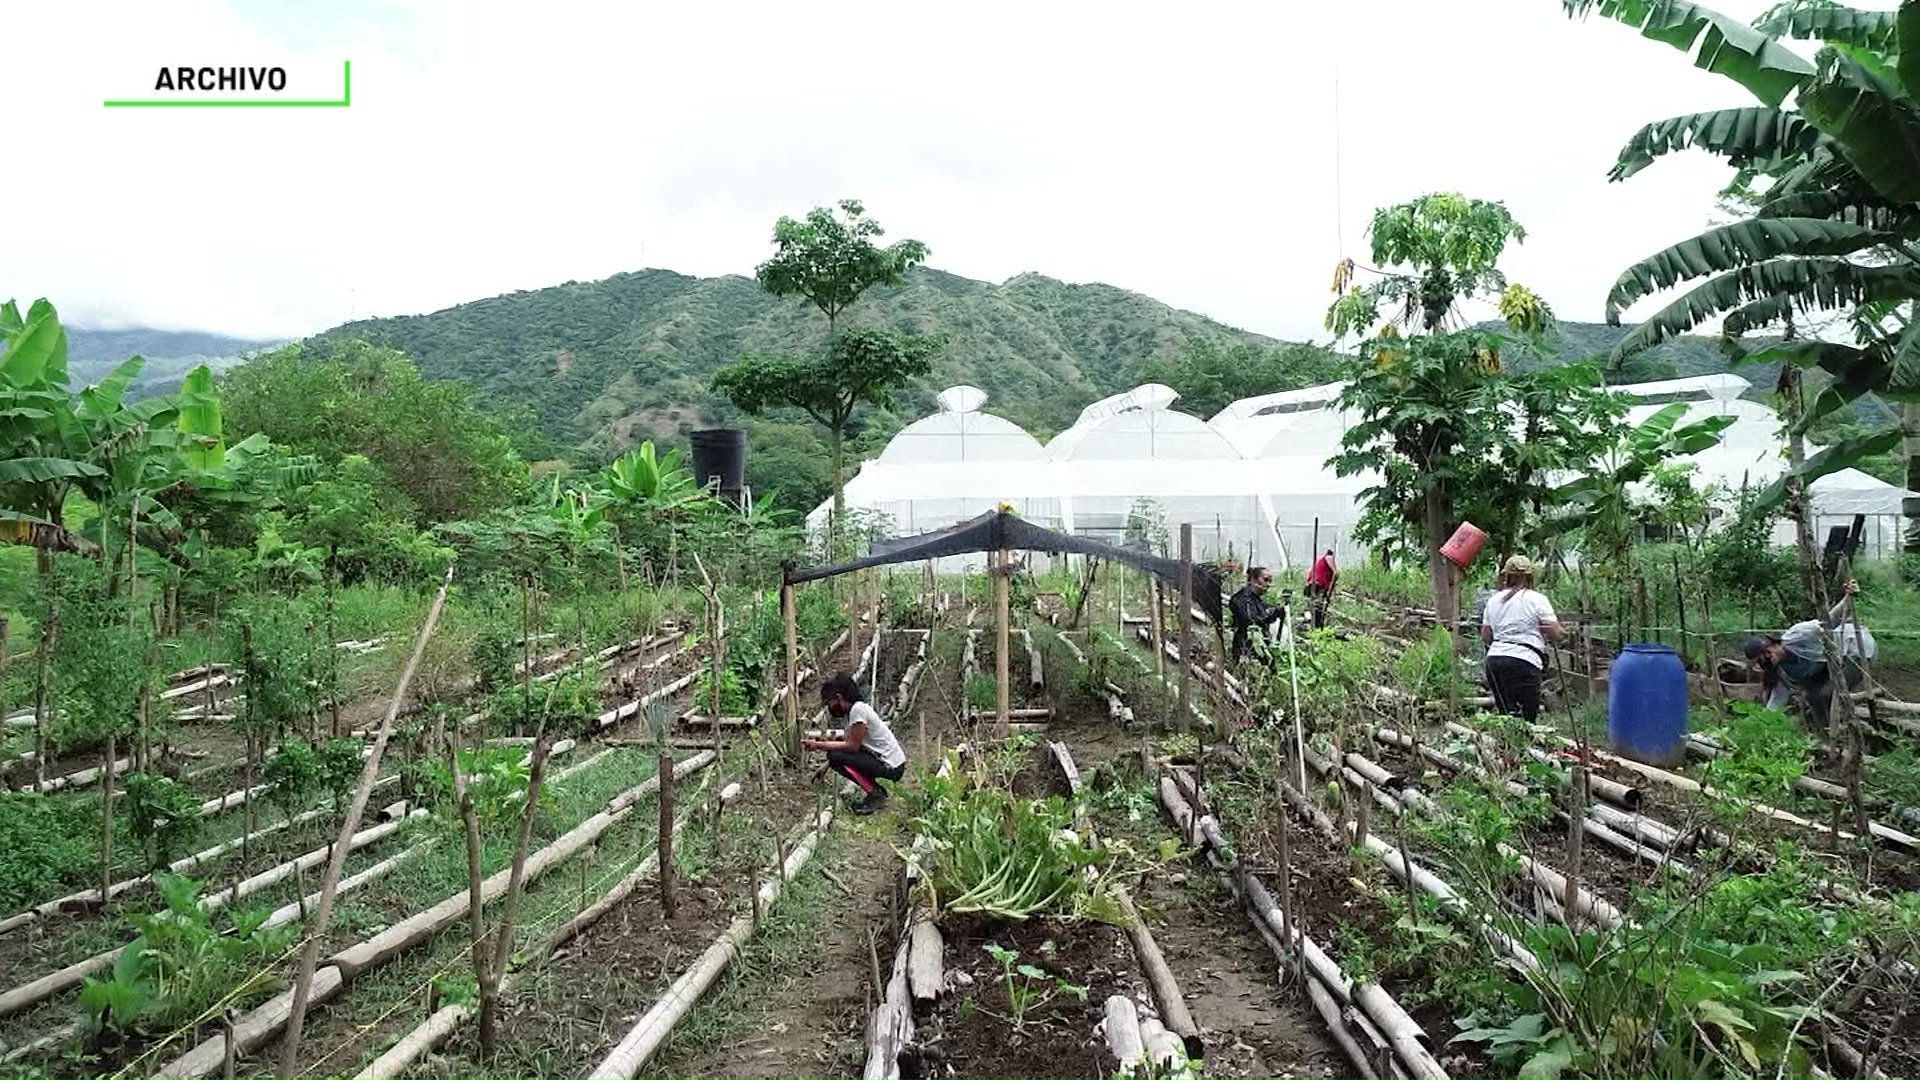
column 1183, row 152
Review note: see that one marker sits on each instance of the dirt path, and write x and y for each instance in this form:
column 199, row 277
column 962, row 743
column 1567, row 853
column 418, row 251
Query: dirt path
column 797, row 1004
column 1252, row 1025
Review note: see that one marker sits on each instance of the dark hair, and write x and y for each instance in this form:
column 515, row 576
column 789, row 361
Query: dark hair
column 842, row 685
column 1329, row 551
column 1256, row 571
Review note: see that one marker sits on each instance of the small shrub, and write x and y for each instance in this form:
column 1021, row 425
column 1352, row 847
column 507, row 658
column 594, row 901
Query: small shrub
column 164, row 816
column 47, row 844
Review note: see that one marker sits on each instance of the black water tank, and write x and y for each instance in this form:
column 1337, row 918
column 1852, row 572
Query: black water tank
column 721, row 453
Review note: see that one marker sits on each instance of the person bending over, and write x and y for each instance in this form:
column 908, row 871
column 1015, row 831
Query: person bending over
column 1320, row 581
column 1250, row 613
column 1516, row 626
column 866, row 753
column 1797, row 660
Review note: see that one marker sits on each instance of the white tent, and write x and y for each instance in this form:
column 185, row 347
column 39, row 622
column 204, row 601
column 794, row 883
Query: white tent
column 1838, row 496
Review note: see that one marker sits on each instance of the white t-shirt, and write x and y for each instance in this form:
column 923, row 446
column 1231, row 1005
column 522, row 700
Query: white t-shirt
column 880, row 738
column 1516, row 623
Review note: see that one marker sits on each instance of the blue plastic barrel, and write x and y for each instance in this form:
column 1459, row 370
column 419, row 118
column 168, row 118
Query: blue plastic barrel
column 1647, row 704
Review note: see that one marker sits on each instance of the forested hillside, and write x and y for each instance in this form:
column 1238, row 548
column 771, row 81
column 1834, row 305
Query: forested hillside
column 619, row 359
column 170, row 354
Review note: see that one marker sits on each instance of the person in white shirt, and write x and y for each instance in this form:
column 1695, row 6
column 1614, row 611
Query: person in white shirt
column 1516, row 626
column 867, row 752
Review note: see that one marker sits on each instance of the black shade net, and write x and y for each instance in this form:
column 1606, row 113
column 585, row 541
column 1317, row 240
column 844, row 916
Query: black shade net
column 998, row 530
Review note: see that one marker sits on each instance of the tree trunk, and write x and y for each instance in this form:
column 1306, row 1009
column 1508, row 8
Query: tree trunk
column 516, row 880
column 669, row 905
column 333, row 639
column 1446, row 586
column 1910, row 425
column 836, row 524
column 476, row 898
column 106, row 820
column 49, row 635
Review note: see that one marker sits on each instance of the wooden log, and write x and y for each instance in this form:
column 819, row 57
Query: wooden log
column 416, row 1044
column 1121, row 1029
column 1330, row 1014
column 80, row 778
column 1166, row 989
column 638, row 1046
column 299, row 908
column 926, row 973
column 1613, row 791
column 252, row 1030
column 1375, row 774
column 1064, row 758
column 1035, row 677
column 1165, row 1054
column 1632, row 848
column 48, row 985
column 1636, row 826
column 1587, row 904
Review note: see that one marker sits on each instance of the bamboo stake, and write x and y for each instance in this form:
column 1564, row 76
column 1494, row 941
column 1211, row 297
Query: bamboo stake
column 1576, row 815
column 1159, row 638
column 793, row 674
column 1186, row 625
column 1002, row 585
column 310, row 956
column 42, row 705
column 669, row 904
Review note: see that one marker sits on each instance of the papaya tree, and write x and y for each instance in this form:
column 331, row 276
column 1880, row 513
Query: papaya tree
column 1433, row 405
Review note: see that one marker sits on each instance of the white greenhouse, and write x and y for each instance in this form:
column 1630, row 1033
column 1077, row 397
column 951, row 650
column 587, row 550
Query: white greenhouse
column 1253, row 480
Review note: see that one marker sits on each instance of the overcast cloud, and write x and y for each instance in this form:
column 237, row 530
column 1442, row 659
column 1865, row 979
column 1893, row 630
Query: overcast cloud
column 1182, row 151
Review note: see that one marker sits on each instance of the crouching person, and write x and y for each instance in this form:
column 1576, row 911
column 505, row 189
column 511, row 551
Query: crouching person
column 866, row 753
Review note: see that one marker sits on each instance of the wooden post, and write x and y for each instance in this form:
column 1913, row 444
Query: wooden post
column 793, row 673
column 668, row 904
column 1159, row 639
column 873, row 613
column 1186, row 624
column 310, row 955
column 1586, row 634
column 1002, row 578
column 1719, row 690
column 1286, row 874
column 1680, row 607
column 1576, row 813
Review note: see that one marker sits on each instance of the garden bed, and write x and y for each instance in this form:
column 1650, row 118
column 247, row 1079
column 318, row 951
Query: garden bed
column 979, row 1031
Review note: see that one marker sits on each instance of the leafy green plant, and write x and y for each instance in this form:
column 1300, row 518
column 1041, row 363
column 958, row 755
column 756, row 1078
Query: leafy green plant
column 735, row 700
column 497, row 778
column 1007, row 857
column 163, row 814
column 183, row 963
column 1767, row 752
column 1029, row 988
column 983, row 692
column 1427, row 668
column 46, row 842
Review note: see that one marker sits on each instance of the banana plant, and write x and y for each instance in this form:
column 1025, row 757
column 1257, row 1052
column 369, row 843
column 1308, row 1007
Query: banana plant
column 1833, row 150
column 43, row 451
column 1599, row 504
column 645, row 481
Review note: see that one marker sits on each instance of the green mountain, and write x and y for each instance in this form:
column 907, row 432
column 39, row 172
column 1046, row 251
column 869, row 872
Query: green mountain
column 170, row 354
column 607, row 363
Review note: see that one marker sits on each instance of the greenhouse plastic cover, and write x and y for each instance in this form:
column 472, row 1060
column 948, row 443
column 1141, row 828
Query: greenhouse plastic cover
column 1252, row 481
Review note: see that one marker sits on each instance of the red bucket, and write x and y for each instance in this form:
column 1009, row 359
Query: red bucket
column 1464, row 544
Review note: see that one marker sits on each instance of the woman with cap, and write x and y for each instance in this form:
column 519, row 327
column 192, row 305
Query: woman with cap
column 1516, row 626
column 1797, row 659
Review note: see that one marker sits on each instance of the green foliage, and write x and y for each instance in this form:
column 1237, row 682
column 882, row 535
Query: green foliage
column 184, row 962
column 1211, row 375
column 983, row 692
column 1743, row 561
column 339, row 398
column 1768, row 751
column 735, row 700
column 816, row 616
column 1426, row 669
column 164, row 816
column 1451, row 245
column 1011, row 858
column 1028, row 988
column 275, row 639
column 831, row 259
column 904, row 602
column 356, row 511
column 1332, row 669
column 1642, row 1001
column 99, row 656
column 1600, row 503
column 566, row 702
column 47, row 845
column 297, row 771
column 496, row 779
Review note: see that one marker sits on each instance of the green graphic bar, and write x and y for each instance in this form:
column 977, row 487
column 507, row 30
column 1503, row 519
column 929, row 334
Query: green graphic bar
column 346, row 99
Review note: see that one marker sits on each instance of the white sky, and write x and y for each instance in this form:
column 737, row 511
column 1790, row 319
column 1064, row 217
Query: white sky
column 1182, row 151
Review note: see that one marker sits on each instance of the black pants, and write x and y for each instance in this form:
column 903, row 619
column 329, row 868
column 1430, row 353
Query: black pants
column 863, row 767
column 1818, row 691
column 1317, row 600
column 1515, row 685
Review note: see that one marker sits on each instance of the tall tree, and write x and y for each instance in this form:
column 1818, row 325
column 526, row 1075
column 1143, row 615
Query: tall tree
column 1831, row 157
column 1433, row 406
column 830, row 259
column 859, row 366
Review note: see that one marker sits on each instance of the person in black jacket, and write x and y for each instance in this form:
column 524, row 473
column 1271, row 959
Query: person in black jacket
column 1251, row 612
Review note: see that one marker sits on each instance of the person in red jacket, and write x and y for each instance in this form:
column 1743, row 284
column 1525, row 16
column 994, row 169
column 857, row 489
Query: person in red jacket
column 1320, row 587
